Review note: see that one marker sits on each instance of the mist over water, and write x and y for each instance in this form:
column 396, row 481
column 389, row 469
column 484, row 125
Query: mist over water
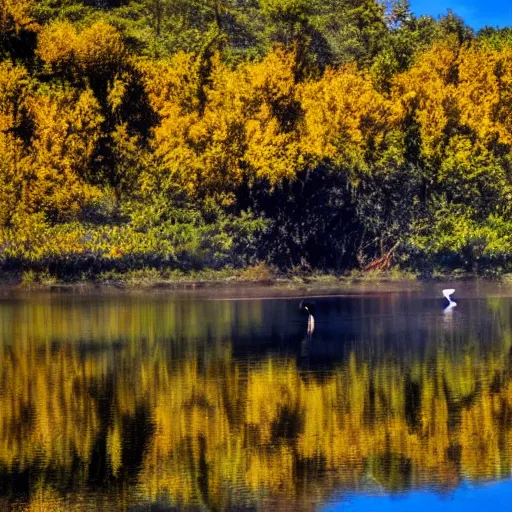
column 155, row 401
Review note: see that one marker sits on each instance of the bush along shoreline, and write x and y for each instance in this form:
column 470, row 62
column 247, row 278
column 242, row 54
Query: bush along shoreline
column 309, row 138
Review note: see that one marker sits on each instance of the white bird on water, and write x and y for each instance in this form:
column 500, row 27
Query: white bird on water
column 447, row 295
column 311, row 321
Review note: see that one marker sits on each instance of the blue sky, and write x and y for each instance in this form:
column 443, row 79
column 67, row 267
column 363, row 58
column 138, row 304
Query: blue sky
column 476, row 13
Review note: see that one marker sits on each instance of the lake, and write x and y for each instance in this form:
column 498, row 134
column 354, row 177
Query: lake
column 215, row 400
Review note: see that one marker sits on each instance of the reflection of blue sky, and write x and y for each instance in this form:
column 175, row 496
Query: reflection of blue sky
column 476, row 13
column 467, row 498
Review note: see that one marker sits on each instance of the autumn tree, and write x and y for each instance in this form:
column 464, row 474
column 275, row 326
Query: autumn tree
column 16, row 27
column 15, row 136
column 66, row 129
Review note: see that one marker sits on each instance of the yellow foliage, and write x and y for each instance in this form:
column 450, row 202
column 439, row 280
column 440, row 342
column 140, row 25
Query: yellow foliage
column 244, row 130
column 30, row 236
column 95, row 49
column 15, row 16
column 99, row 47
column 128, row 159
column 273, row 108
column 460, row 99
column 171, row 82
column 346, row 120
column 428, row 92
column 56, row 44
column 114, row 449
column 66, row 130
column 272, row 80
column 14, row 162
column 484, row 93
column 13, row 167
column 13, row 95
column 446, row 124
column 116, row 93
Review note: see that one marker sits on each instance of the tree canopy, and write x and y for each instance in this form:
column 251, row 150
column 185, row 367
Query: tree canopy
column 226, row 132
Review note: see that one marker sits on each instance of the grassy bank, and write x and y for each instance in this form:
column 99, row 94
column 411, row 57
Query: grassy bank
column 261, row 274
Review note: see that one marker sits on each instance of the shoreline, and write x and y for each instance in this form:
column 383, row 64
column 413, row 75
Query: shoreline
column 249, row 281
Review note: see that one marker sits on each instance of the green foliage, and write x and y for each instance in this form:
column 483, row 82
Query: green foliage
column 150, row 235
column 453, row 238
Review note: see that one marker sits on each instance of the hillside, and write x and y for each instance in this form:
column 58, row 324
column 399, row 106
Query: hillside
column 189, row 135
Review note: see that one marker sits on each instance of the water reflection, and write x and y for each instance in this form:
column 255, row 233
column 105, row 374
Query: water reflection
column 110, row 402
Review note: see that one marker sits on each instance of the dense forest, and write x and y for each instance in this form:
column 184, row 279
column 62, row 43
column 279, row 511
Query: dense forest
column 188, row 134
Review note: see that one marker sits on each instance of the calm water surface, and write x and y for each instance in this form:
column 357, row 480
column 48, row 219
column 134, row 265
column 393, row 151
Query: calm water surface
column 154, row 401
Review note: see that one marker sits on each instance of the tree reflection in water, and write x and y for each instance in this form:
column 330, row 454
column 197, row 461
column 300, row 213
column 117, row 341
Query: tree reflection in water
column 133, row 400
